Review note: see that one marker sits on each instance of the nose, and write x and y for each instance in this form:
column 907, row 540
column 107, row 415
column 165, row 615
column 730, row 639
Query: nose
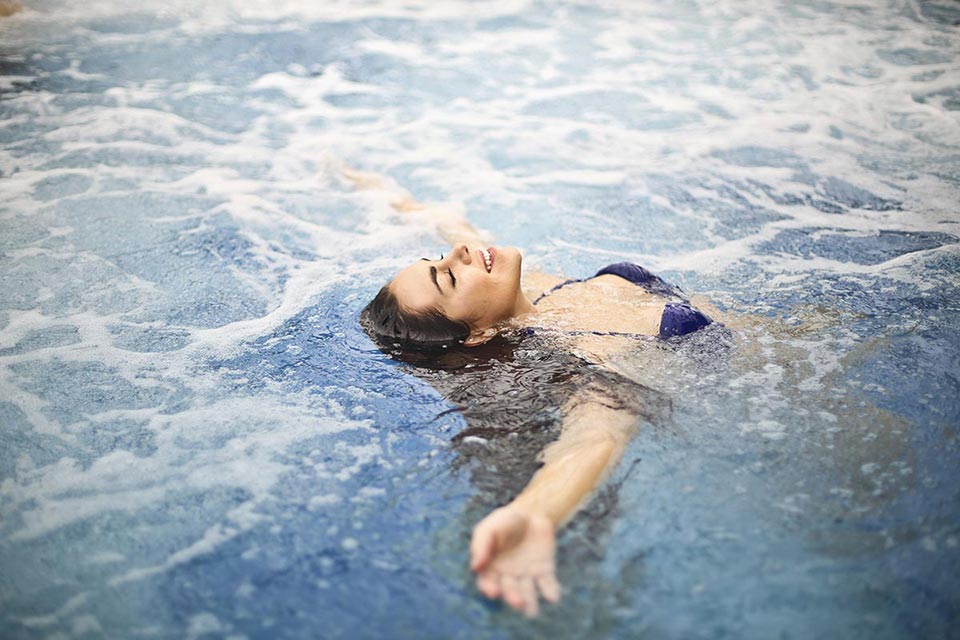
column 462, row 253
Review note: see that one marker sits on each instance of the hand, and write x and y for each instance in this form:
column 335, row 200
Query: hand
column 512, row 552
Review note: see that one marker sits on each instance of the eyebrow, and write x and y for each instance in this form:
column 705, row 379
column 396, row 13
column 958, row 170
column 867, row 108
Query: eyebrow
column 433, row 277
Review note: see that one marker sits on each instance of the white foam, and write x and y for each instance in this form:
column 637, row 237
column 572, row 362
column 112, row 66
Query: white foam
column 106, row 557
column 277, row 176
column 212, row 538
column 202, row 624
column 256, row 430
column 326, row 500
column 7, row 83
column 72, row 604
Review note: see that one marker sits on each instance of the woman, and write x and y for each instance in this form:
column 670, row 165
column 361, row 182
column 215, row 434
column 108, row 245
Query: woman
column 472, row 294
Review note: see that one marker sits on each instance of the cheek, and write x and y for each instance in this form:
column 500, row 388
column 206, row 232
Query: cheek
column 502, row 296
column 486, row 299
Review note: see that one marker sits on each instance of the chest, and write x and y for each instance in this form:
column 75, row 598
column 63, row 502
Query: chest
column 604, row 304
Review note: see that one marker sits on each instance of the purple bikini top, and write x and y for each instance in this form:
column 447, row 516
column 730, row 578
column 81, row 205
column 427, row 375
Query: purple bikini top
column 679, row 317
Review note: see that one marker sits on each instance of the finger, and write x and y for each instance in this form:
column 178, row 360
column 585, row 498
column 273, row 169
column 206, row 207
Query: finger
column 488, row 583
column 481, row 548
column 511, row 592
column 530, row 605
column 549, row 587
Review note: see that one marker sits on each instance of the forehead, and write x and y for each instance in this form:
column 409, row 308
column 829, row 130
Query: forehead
column 414, row 288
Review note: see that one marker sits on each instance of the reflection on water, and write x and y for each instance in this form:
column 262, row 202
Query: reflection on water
column 196, row 439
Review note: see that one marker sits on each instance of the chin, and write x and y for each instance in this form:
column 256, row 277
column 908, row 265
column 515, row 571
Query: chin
column 512, row 252
column 509, row 257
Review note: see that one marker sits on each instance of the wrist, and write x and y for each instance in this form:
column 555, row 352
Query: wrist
column 533, row 511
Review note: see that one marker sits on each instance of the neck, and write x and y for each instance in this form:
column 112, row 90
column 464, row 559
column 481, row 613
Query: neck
column 523, row 307
column 546, row 314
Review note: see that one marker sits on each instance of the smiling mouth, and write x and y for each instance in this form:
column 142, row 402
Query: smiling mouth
column 488, row 255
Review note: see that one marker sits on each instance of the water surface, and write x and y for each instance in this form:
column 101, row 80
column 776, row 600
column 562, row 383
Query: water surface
column 196, row 440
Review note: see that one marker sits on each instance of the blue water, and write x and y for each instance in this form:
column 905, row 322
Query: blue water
column 196, row 439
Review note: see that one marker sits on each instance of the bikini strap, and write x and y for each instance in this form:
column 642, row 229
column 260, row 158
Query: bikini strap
column 630, row 272
column 559, row 286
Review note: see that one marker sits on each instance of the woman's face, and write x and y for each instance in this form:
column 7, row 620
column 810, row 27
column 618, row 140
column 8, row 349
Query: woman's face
column 461, row 286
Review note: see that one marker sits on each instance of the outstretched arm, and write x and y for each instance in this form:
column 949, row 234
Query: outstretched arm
column 448, row 218
column 513, row 548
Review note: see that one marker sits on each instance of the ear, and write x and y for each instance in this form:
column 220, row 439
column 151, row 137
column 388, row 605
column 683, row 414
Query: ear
column 477, row 337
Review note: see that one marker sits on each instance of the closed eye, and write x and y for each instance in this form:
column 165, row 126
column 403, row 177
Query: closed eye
column 453, row 280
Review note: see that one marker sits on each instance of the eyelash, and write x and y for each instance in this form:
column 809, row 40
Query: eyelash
column 453, row 279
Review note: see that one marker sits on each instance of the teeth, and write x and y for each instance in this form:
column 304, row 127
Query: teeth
column 486, row 258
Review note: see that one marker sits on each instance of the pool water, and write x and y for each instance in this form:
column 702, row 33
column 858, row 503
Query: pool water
column 197, row 440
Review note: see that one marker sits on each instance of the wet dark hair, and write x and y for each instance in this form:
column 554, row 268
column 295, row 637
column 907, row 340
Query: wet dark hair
column 392, row 326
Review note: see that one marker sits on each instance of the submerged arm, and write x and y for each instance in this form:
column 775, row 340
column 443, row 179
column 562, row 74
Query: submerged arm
column 448, row 218
column 590, row 446
column 513, row 548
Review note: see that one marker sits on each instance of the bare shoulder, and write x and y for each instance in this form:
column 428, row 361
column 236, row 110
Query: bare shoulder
column 537, row 282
